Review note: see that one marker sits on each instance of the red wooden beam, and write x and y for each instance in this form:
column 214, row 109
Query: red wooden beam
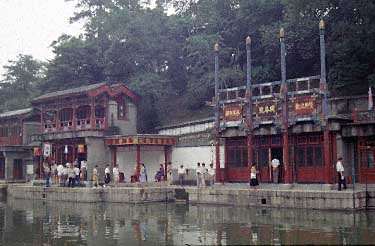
column 138, row 161
column 165, row 163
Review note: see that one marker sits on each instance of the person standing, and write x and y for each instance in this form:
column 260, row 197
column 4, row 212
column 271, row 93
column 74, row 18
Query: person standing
column 77, row 178
column 203, row 175
column 253, row 177
column 84, row 169
column 47, row 173
column 54, row 173
column 107, row 175
column 275, row 163
column 169, row 171
column 65, row 173
column 340, row 174
column 211, row 174
column 60, row 170
column 198, row 172
column 95, row 178
column 143, row 173
column 71, row 176
column 116, row 175
column 181, row 174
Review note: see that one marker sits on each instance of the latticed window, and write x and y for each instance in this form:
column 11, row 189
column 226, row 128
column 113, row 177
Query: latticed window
column 122, row 110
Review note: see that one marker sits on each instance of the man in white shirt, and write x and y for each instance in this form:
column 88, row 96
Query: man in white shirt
column 107, row 175
column 84, row 170
column 60, row 170
column 211, row 174
column 181, row 174
column 340, row 174
column 116, row 175
column 76, row 173
column 275, row 163
column 95, row 177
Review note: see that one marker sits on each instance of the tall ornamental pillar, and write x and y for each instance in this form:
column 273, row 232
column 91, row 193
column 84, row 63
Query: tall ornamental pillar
column 284, row 92
column 249, row 114
column 217, row 114
column 325, row 124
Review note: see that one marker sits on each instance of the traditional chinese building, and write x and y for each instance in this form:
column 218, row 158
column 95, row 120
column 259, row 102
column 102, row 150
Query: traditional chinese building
column 74, row 122
column 293, row 120
column 97, row 123
column 16, row 148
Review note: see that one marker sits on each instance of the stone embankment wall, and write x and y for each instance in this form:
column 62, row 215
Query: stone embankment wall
column 304, row 199
column 326, row 200
column 121, row 195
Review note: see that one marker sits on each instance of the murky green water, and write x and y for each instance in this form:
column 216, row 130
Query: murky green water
column 61, row 223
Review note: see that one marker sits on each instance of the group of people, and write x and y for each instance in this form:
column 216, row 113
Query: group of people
column 204, row 174
column 107, row 176
column 69, row 174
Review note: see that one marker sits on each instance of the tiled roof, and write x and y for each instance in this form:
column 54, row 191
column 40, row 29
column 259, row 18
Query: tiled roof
column 69, row 91
column 16, row 112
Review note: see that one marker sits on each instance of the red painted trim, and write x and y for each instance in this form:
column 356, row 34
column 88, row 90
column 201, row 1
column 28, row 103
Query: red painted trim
column 74, row 118
column 165, row 163
column 113, row 92
column 138, row 161
column 327, row 154
column 114, row 157
column 92, row 113
column 217, row 153
column 42, row 121
column 249, row 151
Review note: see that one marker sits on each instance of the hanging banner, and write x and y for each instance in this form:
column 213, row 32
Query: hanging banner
column 36, row 151
column 81, row 148
column 47, row 147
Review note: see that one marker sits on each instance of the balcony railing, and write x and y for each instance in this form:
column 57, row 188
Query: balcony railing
column 81, row 124
column 10, row 141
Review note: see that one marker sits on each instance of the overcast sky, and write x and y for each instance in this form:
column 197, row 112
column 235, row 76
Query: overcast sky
column 30, row 26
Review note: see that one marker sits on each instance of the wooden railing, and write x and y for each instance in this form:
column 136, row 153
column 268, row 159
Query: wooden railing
column 10, row 141
column 81, row 124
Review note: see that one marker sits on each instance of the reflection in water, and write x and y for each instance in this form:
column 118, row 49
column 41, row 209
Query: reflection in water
column 62, row 223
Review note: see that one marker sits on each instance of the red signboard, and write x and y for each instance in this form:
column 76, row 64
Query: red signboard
column 141, row 140
column 304, row 105
column 266, row 109
column 232, row 112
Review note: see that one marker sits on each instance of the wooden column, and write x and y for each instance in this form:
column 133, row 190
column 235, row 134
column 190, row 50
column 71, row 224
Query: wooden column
column 57, row 119
column 92, row 113
column 138, row 160
column 42, row 121
column 74, row 123
column 165, row 163
column 114, row 155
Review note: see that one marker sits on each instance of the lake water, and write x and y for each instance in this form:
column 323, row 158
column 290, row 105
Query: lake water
column 61, row 223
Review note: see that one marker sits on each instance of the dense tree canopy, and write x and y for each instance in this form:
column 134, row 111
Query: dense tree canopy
column 168, row 59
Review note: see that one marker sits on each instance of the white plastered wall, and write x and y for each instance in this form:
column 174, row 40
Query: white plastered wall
column 189, row 156
column 151, row 156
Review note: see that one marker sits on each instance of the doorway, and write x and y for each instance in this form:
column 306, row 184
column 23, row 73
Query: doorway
column 277, row 153
column 17, row 169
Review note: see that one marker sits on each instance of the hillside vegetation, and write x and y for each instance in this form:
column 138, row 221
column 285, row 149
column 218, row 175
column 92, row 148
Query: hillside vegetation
column 168, row 59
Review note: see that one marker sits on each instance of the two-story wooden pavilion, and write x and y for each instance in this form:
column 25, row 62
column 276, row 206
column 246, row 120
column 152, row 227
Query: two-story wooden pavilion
column 74, row 122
